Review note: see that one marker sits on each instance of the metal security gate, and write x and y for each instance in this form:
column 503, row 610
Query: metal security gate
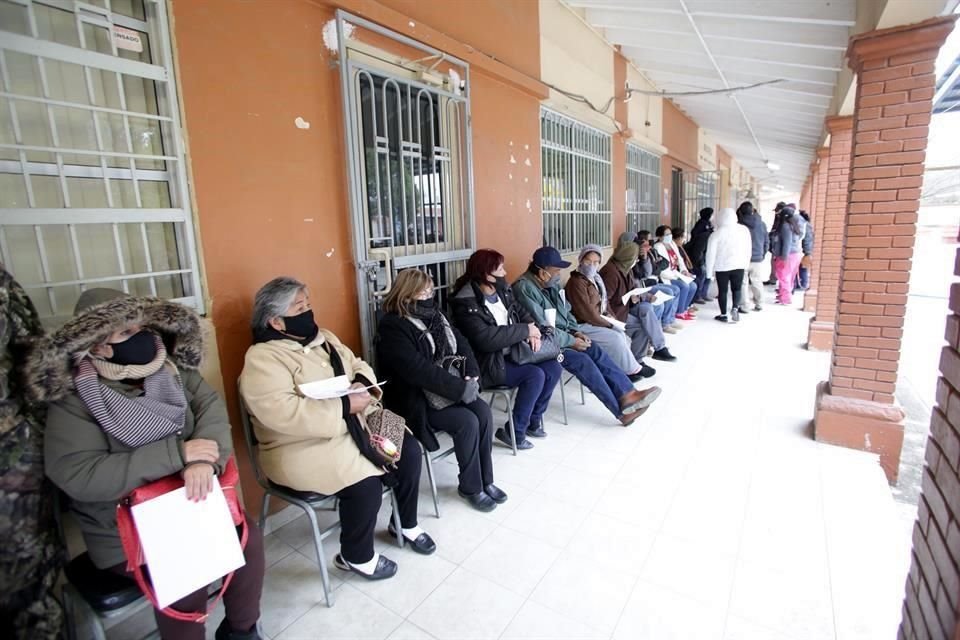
column 643, row 189
column 693, row 191
column 93, row 189
column 408, row 139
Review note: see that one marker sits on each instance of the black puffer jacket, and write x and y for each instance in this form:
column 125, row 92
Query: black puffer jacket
column 486, row 337
column 405, row 360
column 696, row 248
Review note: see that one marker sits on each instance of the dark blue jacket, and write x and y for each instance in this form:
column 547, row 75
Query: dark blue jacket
column 758, row 234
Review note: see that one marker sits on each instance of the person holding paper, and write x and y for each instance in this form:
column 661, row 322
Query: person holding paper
column 492, row 321
column 642, row 319
column 676, row 274
column 728, row 256
column 127, row 407
column 322, row 445
column 646, row 273
column 435, row 383
column 587, row 296
column 538, row 290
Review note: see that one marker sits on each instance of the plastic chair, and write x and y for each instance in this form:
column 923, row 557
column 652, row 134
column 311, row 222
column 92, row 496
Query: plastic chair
column 307, row 501
column 508, row 394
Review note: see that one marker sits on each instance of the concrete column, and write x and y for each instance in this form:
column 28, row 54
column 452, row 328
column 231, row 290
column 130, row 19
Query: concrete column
column 895, row 86
column 830, row 240
column 819, row 198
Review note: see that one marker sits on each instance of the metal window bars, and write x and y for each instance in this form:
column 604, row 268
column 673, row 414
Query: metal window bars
column 643, row 189
column 694, row 191
column 575, row 166
column 93, row 188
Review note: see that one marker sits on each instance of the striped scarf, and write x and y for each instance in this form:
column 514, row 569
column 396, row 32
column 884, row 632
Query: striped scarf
column 134, row 421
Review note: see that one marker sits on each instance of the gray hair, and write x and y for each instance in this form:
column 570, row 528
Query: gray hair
column 273, row 300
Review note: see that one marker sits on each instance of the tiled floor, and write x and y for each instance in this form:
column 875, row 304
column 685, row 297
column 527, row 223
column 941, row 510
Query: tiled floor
column 716, row 517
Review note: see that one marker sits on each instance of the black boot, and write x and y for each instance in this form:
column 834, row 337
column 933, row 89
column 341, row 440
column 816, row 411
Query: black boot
column 224, row 632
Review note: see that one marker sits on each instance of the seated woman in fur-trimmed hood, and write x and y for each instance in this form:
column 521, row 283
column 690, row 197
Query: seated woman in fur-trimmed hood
column 127, row 406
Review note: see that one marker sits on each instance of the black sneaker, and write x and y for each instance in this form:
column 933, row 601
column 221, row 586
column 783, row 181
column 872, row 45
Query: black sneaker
column 225, row 632
column 664, row 355
column 536, row 430
column 499, row 495
column 647, row 371
column 479, row 501
column 743, row 310
column 700, row 301
column 757, row 307
column 721, row 318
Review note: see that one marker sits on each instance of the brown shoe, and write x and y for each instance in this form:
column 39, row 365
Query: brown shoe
column 639, row 399
column 629, row 418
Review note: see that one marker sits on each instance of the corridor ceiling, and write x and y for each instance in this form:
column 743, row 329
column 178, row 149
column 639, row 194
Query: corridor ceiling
column 696, row 45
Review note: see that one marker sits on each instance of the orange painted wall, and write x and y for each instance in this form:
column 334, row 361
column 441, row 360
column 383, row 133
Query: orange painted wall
column 271, row 198
column 619, row 152
column 680, row 137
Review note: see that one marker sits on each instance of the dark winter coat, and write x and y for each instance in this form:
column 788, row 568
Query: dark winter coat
column 759, row 236
column 648, row 268
column 488, row 339
column 696, row 247
column 405, row 361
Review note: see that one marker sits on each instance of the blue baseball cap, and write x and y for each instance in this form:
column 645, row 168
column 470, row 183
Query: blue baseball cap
column 549, row 257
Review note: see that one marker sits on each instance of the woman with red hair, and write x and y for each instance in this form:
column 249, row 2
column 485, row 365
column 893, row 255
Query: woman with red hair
column 486, row 313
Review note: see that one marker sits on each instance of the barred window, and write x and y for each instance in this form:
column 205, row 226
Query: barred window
column 643, row 189
column 93, row 189
column 576, row 183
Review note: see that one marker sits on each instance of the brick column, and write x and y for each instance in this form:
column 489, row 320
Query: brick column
column 830, row 240
column 817, row 194
column 895, row 85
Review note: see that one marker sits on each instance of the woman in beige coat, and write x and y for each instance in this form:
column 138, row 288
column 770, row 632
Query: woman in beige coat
column 320, row 445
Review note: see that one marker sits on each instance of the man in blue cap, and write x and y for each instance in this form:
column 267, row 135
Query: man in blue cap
column 538, row 290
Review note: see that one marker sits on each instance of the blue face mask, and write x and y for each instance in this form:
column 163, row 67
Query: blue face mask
column 589, row 270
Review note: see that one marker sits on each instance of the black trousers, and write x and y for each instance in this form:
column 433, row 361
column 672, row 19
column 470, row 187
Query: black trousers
column 470, row 427
column 360, row 503
column 735, row 280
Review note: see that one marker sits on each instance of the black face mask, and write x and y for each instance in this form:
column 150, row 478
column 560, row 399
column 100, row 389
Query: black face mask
column 428, row 305
column 140, row 348
column 301, row 325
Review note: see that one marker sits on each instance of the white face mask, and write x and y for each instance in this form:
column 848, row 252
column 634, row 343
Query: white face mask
column 668, row 238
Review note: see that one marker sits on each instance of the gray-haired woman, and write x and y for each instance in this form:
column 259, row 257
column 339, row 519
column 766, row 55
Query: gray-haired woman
column 319, row 445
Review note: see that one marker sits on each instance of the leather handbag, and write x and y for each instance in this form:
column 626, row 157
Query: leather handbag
column 387, row 430
column 523, row 353
column 130, row 538
column 455, row 366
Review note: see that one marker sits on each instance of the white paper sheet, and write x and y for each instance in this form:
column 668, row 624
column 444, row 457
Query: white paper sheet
column 660, row 298
column 551, row 315
column 335, row 387
column 619, row 326
column 639, row 291
column 686, row 279
column 187, row 544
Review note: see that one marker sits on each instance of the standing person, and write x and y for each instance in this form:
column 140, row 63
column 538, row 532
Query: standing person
column 486, row 313
column 803, row 279
column 32, row 555
column 760, row 245
column 321, row 445
column 773, row 258
column 587, row 296
column 538, row 289
column 676, row 274
column 787, row 258
column 728, row 255
column 697, row 250
column 415, row 347
column 641, row 319
column 127, row 407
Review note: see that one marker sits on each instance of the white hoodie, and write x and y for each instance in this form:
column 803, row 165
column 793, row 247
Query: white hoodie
column 730, row 245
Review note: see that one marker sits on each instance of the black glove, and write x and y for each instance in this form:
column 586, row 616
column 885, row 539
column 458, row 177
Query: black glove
column 470, row 392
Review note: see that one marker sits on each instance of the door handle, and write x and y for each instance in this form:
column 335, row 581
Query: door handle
column 377, row 255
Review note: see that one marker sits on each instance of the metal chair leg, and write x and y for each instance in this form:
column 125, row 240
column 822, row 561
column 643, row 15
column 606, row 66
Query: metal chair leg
column 395, row 506
column 563, row 401
column 508, row 400
column 428, row 461
column 321, row 558
column 264, row 507
column 583, row 399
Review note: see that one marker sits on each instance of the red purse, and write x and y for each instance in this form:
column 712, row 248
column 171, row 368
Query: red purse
column 130, row 539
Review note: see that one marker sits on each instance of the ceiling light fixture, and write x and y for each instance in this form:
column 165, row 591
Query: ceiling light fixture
column 773, row 166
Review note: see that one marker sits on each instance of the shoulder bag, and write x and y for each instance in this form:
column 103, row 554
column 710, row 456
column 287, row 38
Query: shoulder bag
column 523, row 353
column 130, row 538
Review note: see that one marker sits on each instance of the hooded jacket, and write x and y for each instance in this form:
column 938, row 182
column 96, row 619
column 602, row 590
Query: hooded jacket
column 730, row 245
column 585, row 300
column 94, row 469
column 696, row 247
column 488, row 339
column 790, row 240
column 758, row 235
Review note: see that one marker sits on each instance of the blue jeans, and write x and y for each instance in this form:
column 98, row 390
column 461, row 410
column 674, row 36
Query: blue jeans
column 667, row 312
column 534, row 384
column 685, row 294
column 702, row 282
column 600, row 374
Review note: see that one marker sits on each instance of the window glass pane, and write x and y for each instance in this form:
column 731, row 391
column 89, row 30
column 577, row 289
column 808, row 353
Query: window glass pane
column 56, row 25
column 47, row 191
column 13, row 17
column 131, row 8
column 13, row 192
